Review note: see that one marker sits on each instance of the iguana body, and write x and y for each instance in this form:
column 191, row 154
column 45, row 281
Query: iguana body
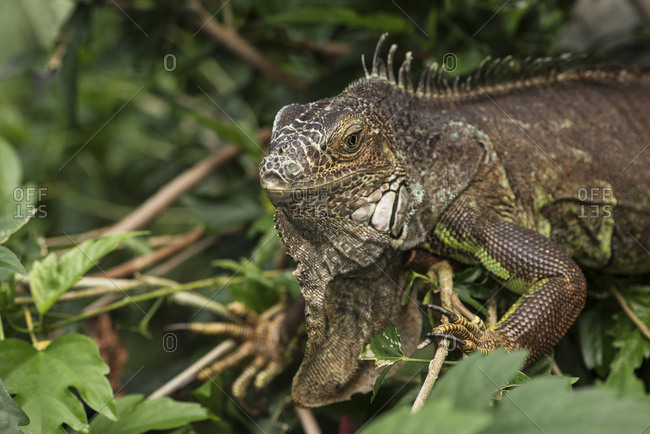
column 527, row 177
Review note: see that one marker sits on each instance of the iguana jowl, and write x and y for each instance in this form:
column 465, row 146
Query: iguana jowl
column 527, row 177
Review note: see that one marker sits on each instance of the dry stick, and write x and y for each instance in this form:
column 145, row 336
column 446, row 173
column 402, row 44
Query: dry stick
column 444, row 272
column 183, row 256
column 163, row 198
column 626, row 307
column 189, row 374
column 308, row 421
column 147, row 260
column 235, row 43
column 168, row 194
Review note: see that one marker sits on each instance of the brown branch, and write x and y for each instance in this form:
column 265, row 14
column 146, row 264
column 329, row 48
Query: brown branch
column 205, row 22
column 630, row 313
column 147, row 260
column 168, row 194
column 307, row 421
column 445, row 277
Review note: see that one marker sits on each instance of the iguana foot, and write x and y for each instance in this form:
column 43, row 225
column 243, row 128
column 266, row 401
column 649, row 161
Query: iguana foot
column 468, row 336
column 267, row 341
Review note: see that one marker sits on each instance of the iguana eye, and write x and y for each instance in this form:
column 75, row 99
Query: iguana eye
column 353, row 141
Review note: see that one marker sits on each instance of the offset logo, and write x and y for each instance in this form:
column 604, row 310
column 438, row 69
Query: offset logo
column 596, row 202
column 29, row 194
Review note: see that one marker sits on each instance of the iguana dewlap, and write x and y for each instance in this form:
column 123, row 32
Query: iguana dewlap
column 525, row 171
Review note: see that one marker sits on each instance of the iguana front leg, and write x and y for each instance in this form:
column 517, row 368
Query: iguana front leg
column 552, row 285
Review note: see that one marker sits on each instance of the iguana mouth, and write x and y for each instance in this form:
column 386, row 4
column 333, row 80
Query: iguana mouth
column 285, row 195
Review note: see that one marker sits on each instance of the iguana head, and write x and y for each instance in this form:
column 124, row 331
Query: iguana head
column 342, row 198
column 334, row 159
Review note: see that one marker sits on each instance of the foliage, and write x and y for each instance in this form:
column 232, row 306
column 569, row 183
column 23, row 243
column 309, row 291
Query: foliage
column 138, row 415
column 462, row 402
column 104, row 102
column 69, row 361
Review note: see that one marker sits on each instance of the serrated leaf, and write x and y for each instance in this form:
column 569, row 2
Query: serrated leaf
column 9, row 260
column 11, row 416
column 42, row 381
column 138, row 415
column 633, row 347
column 385, row 348
column 51, row 277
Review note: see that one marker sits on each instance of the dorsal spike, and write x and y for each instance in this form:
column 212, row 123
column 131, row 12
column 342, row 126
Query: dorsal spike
column 423, row 81
column 489, row 70
column 503, row 69
column 479, row 70
column 440, row 79
column 365, row 69
column 468, row 84
column 433, row 70
column 389, row 59
column 382, row 69
column 455, row 86
column 375, row 63
column 408, row 75
column 403, row 79
column 538, row 66
column 444, row 81
column 526, row 69
column 559, row 63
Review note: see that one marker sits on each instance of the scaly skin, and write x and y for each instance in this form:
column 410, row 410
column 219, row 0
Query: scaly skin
column 527, row 178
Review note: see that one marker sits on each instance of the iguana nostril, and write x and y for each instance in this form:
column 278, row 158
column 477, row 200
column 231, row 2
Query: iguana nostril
column 272, row 180
column 294, row 169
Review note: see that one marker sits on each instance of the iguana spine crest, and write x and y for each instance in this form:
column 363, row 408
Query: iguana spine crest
column 492, row 77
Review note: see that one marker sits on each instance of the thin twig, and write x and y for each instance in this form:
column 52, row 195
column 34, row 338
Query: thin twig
column 168, row 194
column 630, row 313
column 96, row 289
column 188, row 375
column 307, row 421
column 445, row 273
column 147, row 260
column 205, row 22
column 200, row 302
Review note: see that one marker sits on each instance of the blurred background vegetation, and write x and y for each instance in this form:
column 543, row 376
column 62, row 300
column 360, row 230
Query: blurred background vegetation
column 105, row 102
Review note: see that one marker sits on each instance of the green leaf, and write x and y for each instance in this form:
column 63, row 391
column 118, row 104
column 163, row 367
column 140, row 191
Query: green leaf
column 546, row 404
column 11, row 416
column 11, row 173
column 51, row 277
column 590, row 328
column 42, row 382
column 459, row 401
column 9, row 260
column 443, row 417
column 138, row 415
column 13, row 222
column 385, row 348
column 471, row 383
column 379, row 381
column 633, row 347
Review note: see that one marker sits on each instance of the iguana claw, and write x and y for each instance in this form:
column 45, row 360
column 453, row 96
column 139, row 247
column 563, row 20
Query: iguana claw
column 467, row 335
column 263, row 340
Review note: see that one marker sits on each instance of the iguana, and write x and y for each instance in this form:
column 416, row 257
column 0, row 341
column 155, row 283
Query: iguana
column 526, row 169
